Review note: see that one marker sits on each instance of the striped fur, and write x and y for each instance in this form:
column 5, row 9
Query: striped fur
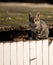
column 39, row 28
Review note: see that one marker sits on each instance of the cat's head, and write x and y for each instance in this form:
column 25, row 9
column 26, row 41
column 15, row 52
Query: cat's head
column 35, row 19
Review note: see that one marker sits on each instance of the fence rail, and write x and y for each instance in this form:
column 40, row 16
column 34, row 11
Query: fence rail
column 25, row 53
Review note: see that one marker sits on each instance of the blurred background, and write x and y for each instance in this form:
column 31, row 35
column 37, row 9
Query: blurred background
column 14, row 17
column 30, row 1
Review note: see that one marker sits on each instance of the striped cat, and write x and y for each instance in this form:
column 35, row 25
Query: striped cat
column 38, row 27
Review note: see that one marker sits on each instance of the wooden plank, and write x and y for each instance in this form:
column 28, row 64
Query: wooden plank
column 34, row 62
column 26, row 53
column 1, row 53
column 45, row 52
column 6, row 53
column 39, row 52
column 13, row 53
column 20, row 52
column 33, row 51
column 51, row 54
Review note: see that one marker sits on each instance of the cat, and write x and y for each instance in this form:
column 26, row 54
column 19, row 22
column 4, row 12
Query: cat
column 38, row 27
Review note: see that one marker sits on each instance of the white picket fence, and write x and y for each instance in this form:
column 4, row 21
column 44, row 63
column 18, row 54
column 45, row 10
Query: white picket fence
column 25, row 53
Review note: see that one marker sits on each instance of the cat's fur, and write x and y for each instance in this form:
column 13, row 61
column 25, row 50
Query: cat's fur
column 39, row 28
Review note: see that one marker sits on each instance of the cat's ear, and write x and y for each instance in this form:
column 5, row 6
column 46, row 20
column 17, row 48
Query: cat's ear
column 30, row 15
column 38, row 15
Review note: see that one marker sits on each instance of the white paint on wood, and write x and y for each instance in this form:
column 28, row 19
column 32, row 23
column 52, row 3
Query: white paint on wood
column 13, row 53
column 1, row 53
column 33, row 52
column 39, row 52
column 34, row 62
column 51, row 54
column 20, row 52
column 32, row 49
column 26, row 53
column 45, row 52
column 6, row 53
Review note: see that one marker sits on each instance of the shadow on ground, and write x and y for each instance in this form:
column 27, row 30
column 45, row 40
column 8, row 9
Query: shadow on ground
column 18, row 35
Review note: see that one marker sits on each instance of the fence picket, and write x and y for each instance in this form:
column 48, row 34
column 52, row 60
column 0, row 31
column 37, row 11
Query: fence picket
column 13, row 53
column 26, row 53
column 20, row 53
column 39, row 52
column 6, row 53
column 1, row 53
column 33, row 52
column 51, row 54
column 45, row 52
